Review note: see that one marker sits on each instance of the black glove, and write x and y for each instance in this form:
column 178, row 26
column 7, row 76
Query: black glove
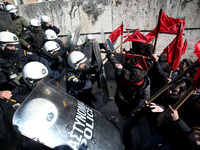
column 95, row 78
column 31, row 49
column 108, row 53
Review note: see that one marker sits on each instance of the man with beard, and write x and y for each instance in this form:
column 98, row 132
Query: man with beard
column 18, row 21
column 32, row 39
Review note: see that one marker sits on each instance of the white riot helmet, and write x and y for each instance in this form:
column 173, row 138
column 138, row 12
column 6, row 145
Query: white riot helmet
column 34, row 23
column 79, row 43
column 45, row 19
column 50, row 34
column 11, row 9
column 76, row 58
column 50, row 47
column 33, row 72
column 6, row 39
column 89, row 38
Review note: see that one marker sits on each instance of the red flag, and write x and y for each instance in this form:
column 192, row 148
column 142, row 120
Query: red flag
column 197, row 75
column 137, row 36
column 167, row 25
column 174, row 51
column 116, row 33
column 197, row 50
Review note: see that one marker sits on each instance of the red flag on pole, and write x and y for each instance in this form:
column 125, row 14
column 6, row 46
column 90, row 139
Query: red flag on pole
column 174, row 51
column 137, row 36
column 116, row 33
column 167, row 25
column 197, row 50
column 197, row 53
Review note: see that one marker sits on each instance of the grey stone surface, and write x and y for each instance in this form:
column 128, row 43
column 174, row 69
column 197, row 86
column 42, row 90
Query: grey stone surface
column 95, row 15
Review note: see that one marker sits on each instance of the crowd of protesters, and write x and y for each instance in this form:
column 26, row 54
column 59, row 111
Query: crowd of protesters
column 137, row 80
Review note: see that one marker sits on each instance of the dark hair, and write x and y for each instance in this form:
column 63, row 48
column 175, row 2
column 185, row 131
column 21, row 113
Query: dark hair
column 139, row 46
column 188, row 62
column 172, row 98
column 182, row 85
column 136, row 73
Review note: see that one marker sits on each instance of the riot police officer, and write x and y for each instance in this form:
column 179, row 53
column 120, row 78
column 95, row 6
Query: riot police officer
column 46, row 24
column 33, row 39
column 33, row 72
column 52, row 57
column 78, row 84
column 12, row 59
column 18, row 21
column 50, row 35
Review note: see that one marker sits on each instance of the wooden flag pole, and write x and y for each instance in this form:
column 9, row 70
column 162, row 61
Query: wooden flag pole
column 122, row 38
column 187, row 94
column 157, row 31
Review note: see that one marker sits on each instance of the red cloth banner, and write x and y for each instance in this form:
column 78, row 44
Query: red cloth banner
column 197, row 50
column 137, row 36
column 167, row 25
column 116, row 33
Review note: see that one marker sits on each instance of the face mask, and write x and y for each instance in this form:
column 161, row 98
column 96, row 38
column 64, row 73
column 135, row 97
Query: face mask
column 14, row 15
column 10, row 52
column 36, row 29
column 58, row 57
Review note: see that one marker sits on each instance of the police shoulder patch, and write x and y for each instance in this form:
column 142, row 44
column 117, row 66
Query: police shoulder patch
column 75, row 80
column 29, row 53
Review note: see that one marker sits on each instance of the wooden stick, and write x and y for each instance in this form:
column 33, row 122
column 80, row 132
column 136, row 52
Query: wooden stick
column 121, row 48
column 170, row 74
column 157, row 31
column 114, row 50
column 187, row 94
column 122, row 54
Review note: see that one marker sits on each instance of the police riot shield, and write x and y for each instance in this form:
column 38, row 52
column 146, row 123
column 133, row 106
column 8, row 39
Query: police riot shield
column 60, row 81
column 87, row 50
column 105, row 43
column 6, row 23
column 75, row 38
column 59, row 121
column 102, row 74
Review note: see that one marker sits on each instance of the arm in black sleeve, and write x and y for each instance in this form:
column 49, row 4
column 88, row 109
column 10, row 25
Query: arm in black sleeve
column 112, row 60
column 181, row 126
column 159, row 71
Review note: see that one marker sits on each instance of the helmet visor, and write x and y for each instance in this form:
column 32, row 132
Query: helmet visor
column 84, row 65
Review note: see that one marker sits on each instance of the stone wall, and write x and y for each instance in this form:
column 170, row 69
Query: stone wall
column 97, row 15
